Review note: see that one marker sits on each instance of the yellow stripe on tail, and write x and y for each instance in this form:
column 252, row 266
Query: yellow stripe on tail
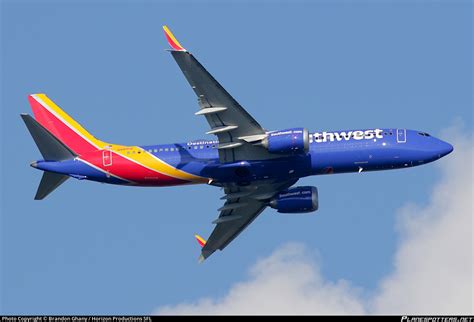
column 200, row 240
column 174, row 43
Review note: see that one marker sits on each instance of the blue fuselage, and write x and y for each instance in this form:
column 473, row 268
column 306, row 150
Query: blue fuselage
column 329, row 153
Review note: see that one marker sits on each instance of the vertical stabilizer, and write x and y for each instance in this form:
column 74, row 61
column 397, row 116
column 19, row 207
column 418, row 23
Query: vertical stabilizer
column 62, row 126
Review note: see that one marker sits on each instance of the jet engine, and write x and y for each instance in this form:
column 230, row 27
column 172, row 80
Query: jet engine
column 296, row 200
column 294, row 141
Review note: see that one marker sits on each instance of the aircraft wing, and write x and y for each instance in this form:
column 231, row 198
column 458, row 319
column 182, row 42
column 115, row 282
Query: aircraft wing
column 243, row 205
column 235, row 128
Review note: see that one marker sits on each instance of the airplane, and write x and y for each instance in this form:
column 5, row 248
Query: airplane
column 256, row 168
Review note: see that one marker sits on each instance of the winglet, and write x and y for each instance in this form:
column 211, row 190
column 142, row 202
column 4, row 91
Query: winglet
column 174, row 43
column 200, row 240
column 201, row 259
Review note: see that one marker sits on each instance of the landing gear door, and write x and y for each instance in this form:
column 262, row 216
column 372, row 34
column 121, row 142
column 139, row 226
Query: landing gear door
column 401, row 135
column 107, row 157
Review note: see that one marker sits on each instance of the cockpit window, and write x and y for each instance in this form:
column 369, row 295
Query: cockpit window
column 423, row 134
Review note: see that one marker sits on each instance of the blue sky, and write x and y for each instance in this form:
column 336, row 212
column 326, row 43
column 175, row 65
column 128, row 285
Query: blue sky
column 96, row 249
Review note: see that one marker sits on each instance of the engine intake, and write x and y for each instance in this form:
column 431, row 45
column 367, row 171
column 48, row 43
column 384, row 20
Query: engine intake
column 296, row 200
column 294, row 140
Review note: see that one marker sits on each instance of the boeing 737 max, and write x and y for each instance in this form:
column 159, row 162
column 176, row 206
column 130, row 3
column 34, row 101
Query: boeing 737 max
column 256, row 168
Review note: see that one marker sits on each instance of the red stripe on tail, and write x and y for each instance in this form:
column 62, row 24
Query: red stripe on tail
column 73, row 140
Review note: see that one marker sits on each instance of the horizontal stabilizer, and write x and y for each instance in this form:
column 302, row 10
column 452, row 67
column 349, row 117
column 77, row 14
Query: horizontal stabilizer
column 50, row 147
column 49, row 182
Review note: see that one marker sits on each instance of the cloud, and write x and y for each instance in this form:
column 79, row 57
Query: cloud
column 284, row 283
column 433, row 263
column 434, row 260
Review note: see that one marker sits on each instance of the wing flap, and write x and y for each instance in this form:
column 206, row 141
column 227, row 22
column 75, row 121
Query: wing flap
column 227, row 231
column 228, row 120
column 212, row 94
column 237, row 214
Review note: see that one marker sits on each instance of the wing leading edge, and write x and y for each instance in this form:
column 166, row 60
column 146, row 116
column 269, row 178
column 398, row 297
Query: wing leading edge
column 235, row 128
column 242, row 206
column 239, row 135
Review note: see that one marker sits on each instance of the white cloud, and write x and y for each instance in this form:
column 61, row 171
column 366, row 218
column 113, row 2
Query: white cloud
column 434, row 261
column 284, row 283
column 433, row 264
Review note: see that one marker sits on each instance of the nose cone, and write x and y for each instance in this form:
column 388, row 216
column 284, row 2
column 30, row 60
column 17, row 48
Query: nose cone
column 34, row 164
column 444, row 148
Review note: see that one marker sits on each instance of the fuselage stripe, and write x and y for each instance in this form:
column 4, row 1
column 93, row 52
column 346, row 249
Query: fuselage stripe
column 104, row 171
column 80, row 141
column 180, row 174
column 145, row 166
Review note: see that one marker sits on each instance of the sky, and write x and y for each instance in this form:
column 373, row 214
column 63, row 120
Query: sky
column 383, row 242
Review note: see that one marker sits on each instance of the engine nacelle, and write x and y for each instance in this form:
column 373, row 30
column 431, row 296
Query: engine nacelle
column 288, row 141
column 296, row 200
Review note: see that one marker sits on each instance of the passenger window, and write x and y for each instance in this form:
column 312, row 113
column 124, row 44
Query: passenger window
column 195, row 147
column 201, row 147
column 166, row 149
column 156, row 150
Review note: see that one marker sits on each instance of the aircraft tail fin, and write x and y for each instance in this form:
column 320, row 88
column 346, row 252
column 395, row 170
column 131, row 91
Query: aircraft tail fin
column 51, row 148
column 49, row 182
column 62, row 126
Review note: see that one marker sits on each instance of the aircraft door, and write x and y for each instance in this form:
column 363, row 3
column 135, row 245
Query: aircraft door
column 401, row 136
column 107, row 157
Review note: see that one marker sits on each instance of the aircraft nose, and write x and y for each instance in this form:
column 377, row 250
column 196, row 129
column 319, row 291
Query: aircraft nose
column 444, row 148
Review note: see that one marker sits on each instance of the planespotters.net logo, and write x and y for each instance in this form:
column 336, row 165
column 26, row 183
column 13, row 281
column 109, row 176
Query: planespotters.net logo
column 437, row 318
